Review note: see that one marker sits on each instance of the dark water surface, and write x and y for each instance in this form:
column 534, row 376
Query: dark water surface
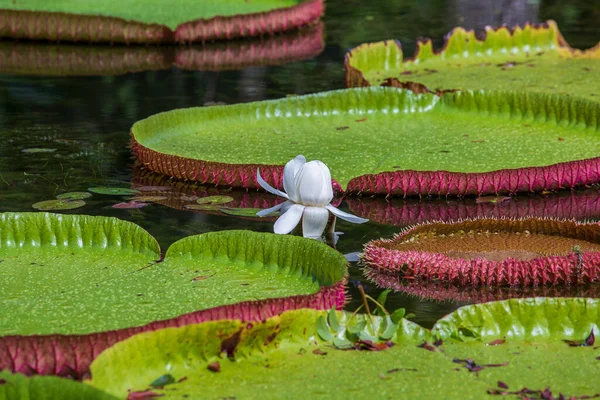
column 86, row 119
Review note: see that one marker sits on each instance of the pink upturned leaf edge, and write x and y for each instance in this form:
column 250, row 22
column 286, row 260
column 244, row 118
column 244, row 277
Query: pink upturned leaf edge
column 56, row 26
column 415, row 266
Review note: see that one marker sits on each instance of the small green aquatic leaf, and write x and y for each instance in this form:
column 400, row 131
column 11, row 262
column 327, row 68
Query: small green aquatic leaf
column 381, row 299
column 323, row 329
column 74, row 196
column 163, row 380
column 342, row 343
column 58, row 205
column 333, row 320
column 150, row 199
column 202, row 207
column 397, row 315
column 112, row 191
column 355, row 328
column 389, row 328
column 36, row 150
column 215, row 200
column 365, row 336
column 245, row 212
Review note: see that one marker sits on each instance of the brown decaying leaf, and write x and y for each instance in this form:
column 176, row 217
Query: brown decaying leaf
column 587, row 342
column 342, row 128
column 472, row 366
column 319, row 352
column 496, row 342
column 147, row 394
column 502, row 385
column 546, row 394
column 428, row 346
column 214, row 366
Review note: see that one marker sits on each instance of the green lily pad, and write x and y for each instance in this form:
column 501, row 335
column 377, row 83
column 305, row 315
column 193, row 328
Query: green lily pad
column 129, row 20
column 58, row 205
column 110, row 191
column 534, row 139
column 74, row 196
column 36, row 150
column 531, row 58
column 20, row 387
column 81, row 277
column 245, row 212
column 215, row 200
column 520, row 343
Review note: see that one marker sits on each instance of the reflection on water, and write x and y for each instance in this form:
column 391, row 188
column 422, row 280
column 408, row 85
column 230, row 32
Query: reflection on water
column 85, row 120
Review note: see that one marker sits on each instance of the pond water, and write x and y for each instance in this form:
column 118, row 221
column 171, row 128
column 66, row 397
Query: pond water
column 84, row 121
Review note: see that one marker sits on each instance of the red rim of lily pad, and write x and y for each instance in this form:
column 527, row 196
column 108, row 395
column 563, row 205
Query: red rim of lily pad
column 77, row 60
column 451, row 293
column 491, row 252
column 71, row 354
column 57, row 26
column 581, row 204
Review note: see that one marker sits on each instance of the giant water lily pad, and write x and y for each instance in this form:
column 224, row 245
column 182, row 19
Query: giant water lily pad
column 19, row 387
column 287, row 355
column 74, row 285
column 580, row 204
column 153, row 21
column 373, row 141
column 31, row 58
column 531, row 58
column 492, row 252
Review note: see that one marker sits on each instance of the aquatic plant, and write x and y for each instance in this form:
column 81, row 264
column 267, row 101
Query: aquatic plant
column 75, row 285
column 539, row 142
column 492, row 252
column 532, row 58
column 309, row 193
column 475, row 352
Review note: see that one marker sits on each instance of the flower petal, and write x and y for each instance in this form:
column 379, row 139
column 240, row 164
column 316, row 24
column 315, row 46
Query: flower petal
column 314, row 221
column 289, row 220
column 345, row 216
column 267, row 211
column 289, row 176
column 313, row 184
column 268, row 187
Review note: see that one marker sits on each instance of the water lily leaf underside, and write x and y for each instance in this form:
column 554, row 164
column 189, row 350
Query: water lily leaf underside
column 31, row 58
column 285, row 356
column 384, row 141
column 152, row 21
column 96, row 280
column 531, row 58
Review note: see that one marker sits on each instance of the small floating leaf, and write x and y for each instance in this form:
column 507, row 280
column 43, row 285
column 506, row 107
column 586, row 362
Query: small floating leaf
column 56, row 205
column 202, row 207
column 163, row 380
column 130, row 205
column 35, row 150
column 333, row 320
column 323, row 329
column 74, row 196
column 148, row 198
column 113, row 191
column 215, row 200
column 245, row 212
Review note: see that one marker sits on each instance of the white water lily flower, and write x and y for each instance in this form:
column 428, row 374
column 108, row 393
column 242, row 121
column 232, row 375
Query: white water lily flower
column 309, row 192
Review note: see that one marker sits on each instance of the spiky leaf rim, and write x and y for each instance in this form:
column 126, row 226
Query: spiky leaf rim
column 65, row 27
column 573, row 268
column 424, row 50
column 76, row 60
column 448, row 293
